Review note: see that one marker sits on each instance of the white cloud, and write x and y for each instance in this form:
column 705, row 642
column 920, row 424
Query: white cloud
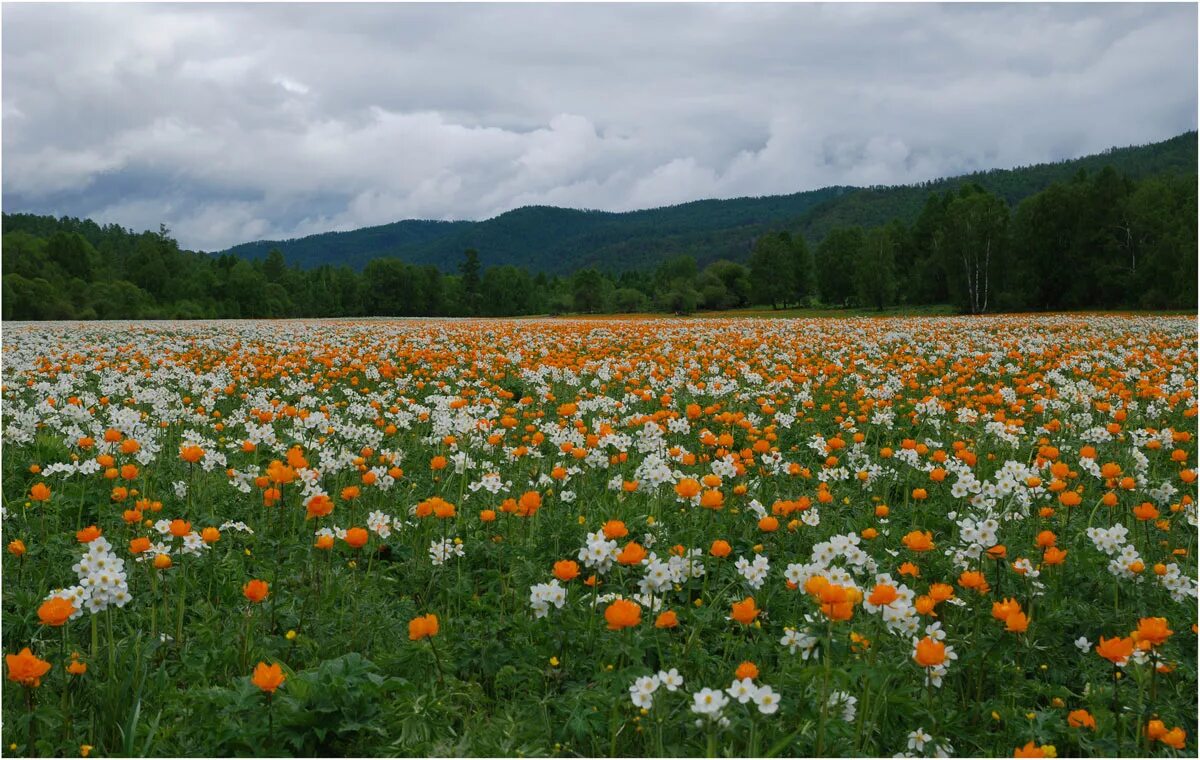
column 232, row 122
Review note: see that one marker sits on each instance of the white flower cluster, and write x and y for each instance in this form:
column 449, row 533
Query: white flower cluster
column 543, row 595
column 754, row 572
column 1113, row 542
column 102, row 580
column 440, row 551
column 599, row 552
column 644, row 688
column 1180, row 586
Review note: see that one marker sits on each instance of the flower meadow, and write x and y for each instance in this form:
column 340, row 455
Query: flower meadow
column 716, row 537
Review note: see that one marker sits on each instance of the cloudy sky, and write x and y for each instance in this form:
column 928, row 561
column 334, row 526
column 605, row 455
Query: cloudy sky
column 241, row 122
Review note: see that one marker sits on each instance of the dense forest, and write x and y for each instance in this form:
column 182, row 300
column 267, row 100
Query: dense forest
column 1108, row 238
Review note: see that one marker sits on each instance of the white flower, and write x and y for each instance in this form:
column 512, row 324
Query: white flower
column 670, row 679
column 917, row 739
column 642, row 691
column 708, row 702
column 1083, row 644
column 767, row 700
column 743, row 691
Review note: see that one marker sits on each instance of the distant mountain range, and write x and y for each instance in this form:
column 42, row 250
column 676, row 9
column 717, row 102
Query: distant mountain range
column 560, row 240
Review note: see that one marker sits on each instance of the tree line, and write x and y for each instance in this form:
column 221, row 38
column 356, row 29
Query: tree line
column 1097, row 241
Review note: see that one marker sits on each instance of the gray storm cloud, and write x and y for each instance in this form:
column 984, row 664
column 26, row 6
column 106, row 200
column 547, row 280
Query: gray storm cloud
column 238, row 122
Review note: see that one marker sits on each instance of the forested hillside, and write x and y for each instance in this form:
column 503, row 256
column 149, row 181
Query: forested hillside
column 1109, row 231
column 561, row 241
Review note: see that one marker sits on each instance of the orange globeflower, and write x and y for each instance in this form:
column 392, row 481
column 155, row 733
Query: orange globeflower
column 26, row 668
column 87, row 535
column 622, row 613
column 349, row 493
column 356, row 538
column 918, row 541
column 666, row 619
column 139, row 545
column 566, row 569
column 712, row 499
column 268, row 678
column 423, row 627
column 162, row 561
column 317, row 505
column 746, row 669
column 529, row 503
column 1029, row 750
column 55, row 611
column 929, row 652
column 324, row 542
column 1151, row 632
column 39, row 492
column 180, row 528
column 688, row 488
column 487, row 515
column 1081, row 719
column 974, row 579
column 1145, row 511
column 720, row 548
column 1116, row 650
column 1017, row 622
column 210, row 535
column 883, row 594
column 768, row 524
column 615, row 529
column 632, row 554
column 191, row 454
column 255, row 590
column 1054, row 556
column 1001, row 610
column 16, row 547
column 998, row 552
column 744, row 611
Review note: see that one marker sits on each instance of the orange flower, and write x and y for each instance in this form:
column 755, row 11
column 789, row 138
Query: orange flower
column 622, row 613
column 1116, row 650
column 268, row 678
column 744, row 611
column 1176, row 738
column 929, row 652
column 918, row 541
column 1155, row 730
column 16, row 547
column 255, row 590
column 55, row 611
column 666, row 619
column 910, row 570
column 529, row 503
column 87, row 535
column 746, row 670
column 1081, row 719
column 720, row 548
column 768, row 524
column 1017, row 622
column 487, row 515
column 1046, row 538
column 974, row 579
column 349, row 493
column 687, row 488
column 180, row 528
column 566, row 569
column 210, row 535
column 356, row 538
column 324, row 542
column 1151, row 632
column 940, row 592
column 39, row 492
column 1145, row 511
column 1054, row 556
column 883, row 595
column 632, row 554
column 191, row 454
column 1029, row 750
column 162, row 561
column 1001, row 610
column 615, row 529
column 318, row 505
column 26, row 668
column 423, row 627
column 139, row 545
column 998, row 552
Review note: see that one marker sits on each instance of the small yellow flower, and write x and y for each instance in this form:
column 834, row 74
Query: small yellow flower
column 85, row 750
column 1049, row 750
column 699, row 602
column 608, row 667
column 995, row 715
column 581, row 520
column 457, row 541
column 351, row 564
column 650, row 520
column 554, row 662
column 247, row 552
column 1030, row 715
column 290, row 635
column 1058, row 702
